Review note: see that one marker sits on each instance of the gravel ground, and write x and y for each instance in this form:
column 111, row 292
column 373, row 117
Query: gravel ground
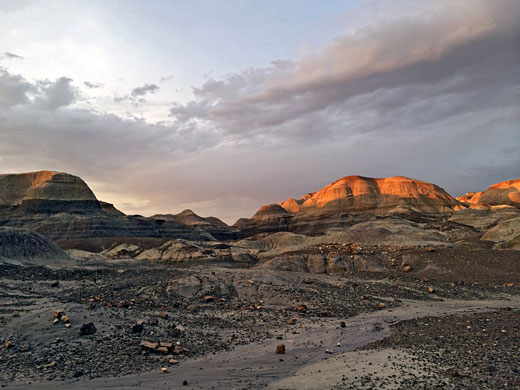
column 205, row 310
column 471, row 351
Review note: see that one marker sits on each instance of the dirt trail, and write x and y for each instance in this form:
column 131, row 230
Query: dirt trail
column 256, row 366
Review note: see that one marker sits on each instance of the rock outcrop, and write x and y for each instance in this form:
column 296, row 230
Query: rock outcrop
column 350, row 200
column 61, row 206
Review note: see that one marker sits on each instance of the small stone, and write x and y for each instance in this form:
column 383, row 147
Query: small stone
column 164, row 316
column 185, row 382
column 430, row 249
column 209, row 298
column 64, row 318
column 166, row 345
column 58, row 313
column 307, row 281
column 177, row 349
column 381, row 305
column 407, row 268
column 87, row 329
column 68, row 325
column 162, row 350
column 251, row 281
column 280, row 349
column 301, row 308
column 153, row 321
column 23, row 348
column 328, row 351
column 164, row 370
column 173, row 361
column 149, row 345
column 55, row 284
column 55, row 321
column 137, row 328
column 291, row 321
column 178, row 331
column 431, row 290
column 8, row 344
column 343, row 324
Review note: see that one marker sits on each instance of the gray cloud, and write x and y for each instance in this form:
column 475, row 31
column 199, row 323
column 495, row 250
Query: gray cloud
column 147, row 88
column 11, row 56
column 57, row 94
column 13, row 89
column 434, row 98
column 467, row 56
column 90, row 85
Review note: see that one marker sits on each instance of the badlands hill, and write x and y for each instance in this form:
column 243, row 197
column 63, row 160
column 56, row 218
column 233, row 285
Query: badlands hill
column 61, row 206
column 47, row 191
column 500, row 194
column 349, row 200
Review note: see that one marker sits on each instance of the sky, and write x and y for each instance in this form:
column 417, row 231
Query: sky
column 222, row 106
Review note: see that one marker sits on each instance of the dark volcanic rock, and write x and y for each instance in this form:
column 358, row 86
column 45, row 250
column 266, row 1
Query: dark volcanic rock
column 87, row 329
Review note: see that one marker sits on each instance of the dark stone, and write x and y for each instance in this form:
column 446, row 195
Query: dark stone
column 55, row 284
column 137, row 328
column 87, row 329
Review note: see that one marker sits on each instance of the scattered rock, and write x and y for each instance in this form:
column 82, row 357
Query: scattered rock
column 149, row 345
column 87, row 329
column 137, row 328
column 291, row 321
column 153, row 321
column 280, row 349
column 164, row 370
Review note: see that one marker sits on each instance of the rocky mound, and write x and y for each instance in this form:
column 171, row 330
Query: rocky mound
column 350, row 200
column 20, row 244
column 505, row 234
column 506, row 193
column 268, row 219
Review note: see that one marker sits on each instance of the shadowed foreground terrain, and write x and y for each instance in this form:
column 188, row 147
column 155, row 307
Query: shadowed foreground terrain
column 220, row 325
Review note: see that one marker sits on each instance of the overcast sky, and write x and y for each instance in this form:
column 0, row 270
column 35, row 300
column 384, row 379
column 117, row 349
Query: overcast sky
column 222, row 106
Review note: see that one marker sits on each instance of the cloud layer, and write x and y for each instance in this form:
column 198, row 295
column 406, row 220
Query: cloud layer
column 433, row 97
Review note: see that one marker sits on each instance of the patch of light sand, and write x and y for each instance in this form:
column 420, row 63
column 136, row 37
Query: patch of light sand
column 387, row 368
